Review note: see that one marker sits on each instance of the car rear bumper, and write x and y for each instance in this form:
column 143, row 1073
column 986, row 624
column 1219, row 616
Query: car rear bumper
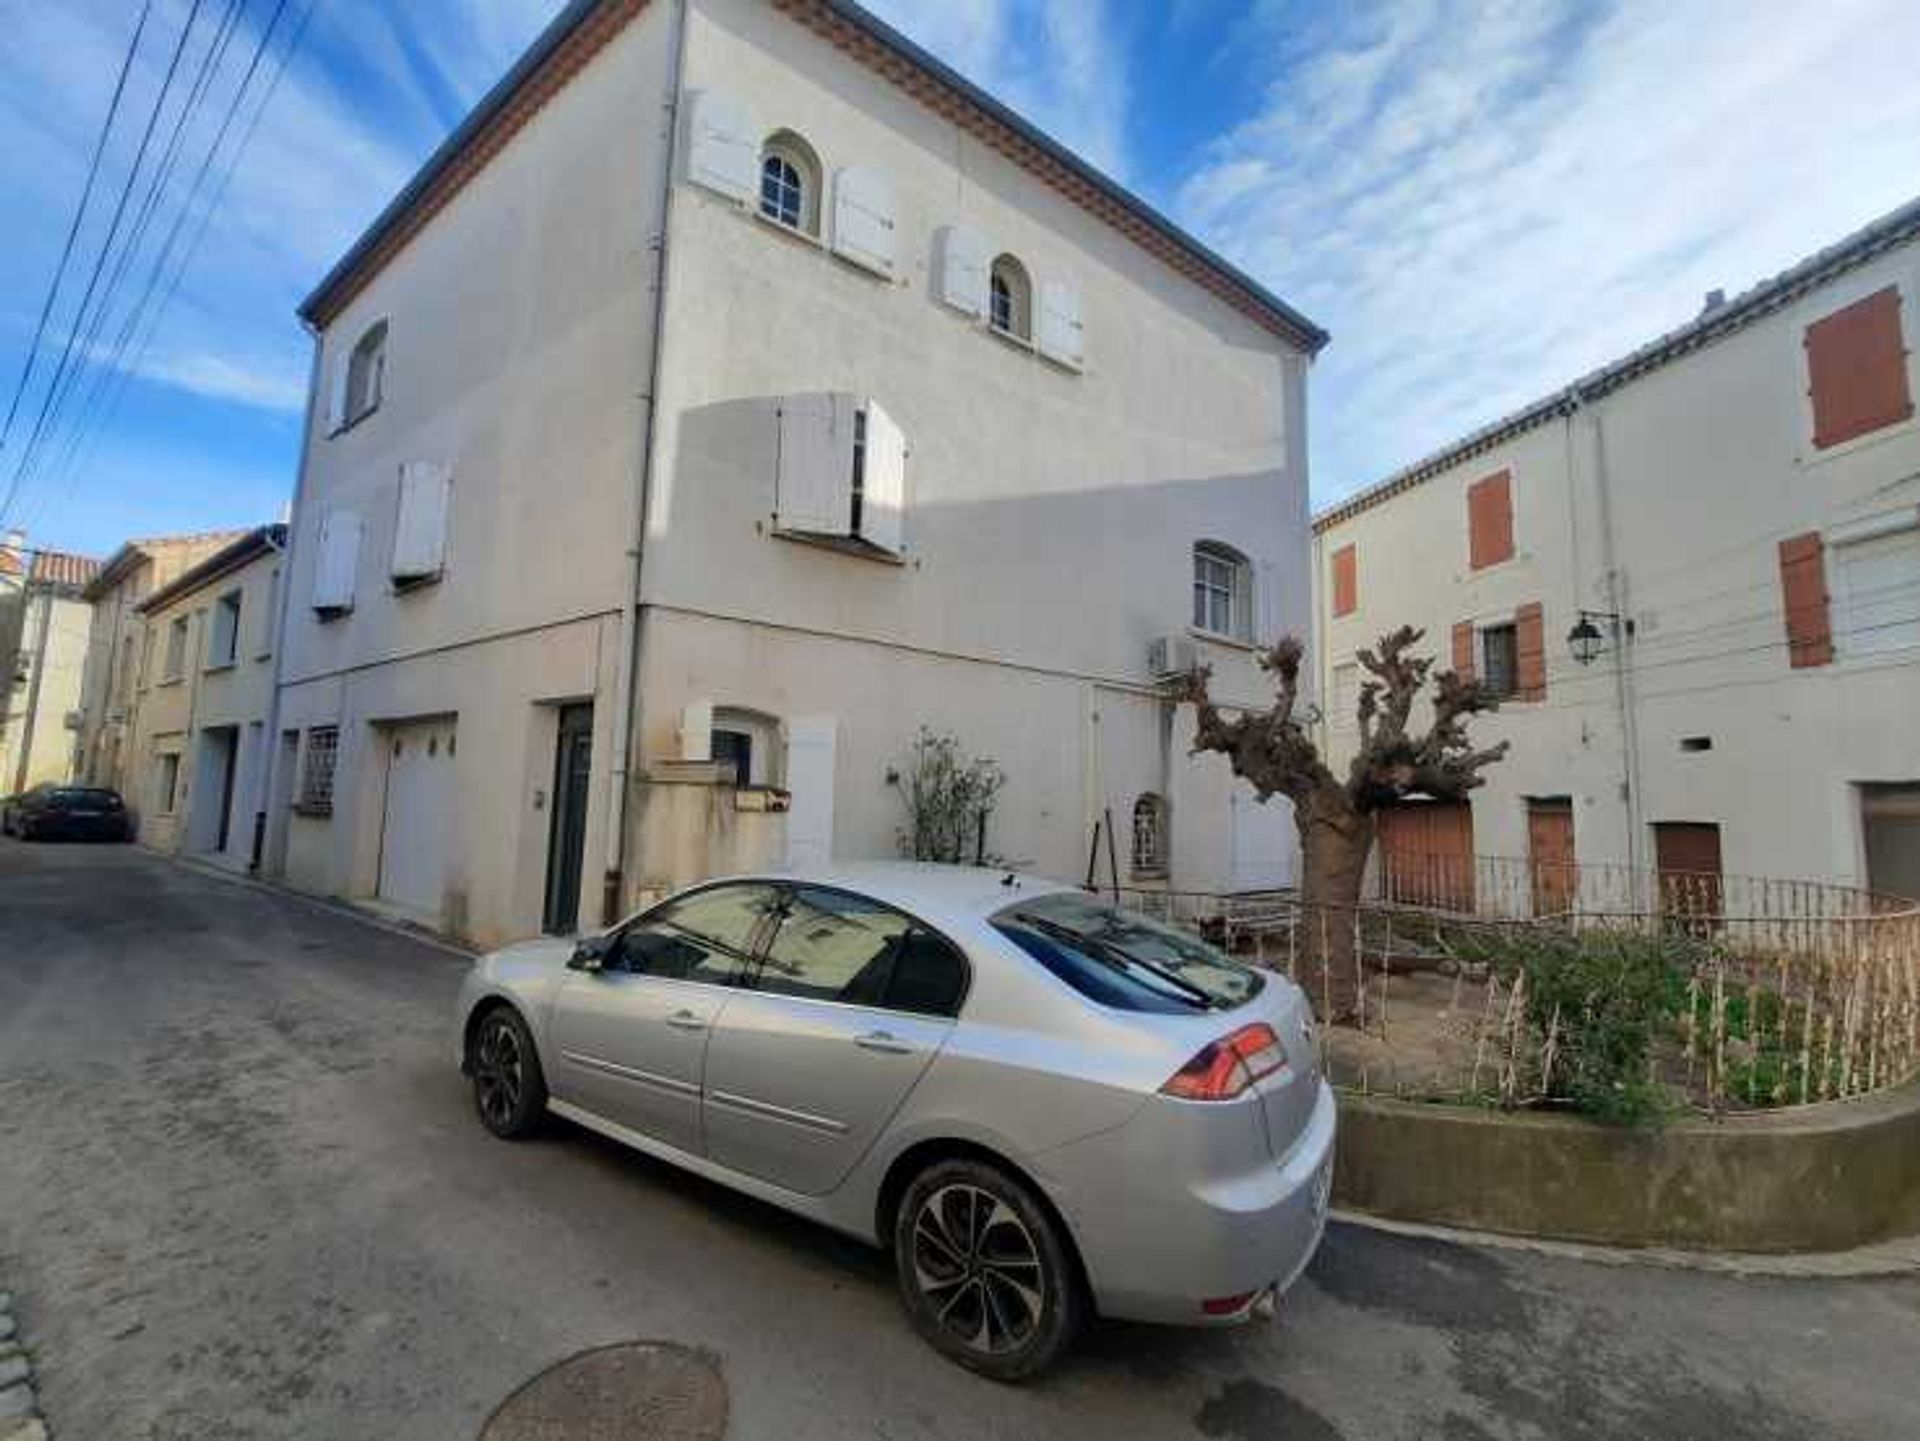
column 1158, row 1249
column 74, row 828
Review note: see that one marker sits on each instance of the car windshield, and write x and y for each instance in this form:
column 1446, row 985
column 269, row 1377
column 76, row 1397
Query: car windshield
column 1125, row 961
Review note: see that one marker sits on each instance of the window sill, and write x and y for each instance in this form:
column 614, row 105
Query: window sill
column 166, row 681
column 791, row 232
column 1214, row 637
column 1011, row 338
column 1817, row 454
column 326, row 614
column 219, row 666
column 313, row 813
column 348, row 424
column 1152, row 873
column 410, row 584
column 845, row 544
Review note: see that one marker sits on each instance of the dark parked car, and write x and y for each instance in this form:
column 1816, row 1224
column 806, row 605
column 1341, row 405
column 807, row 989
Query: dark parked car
column 66, row 813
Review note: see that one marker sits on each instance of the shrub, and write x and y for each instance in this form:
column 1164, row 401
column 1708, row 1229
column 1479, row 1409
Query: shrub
column 948, row 797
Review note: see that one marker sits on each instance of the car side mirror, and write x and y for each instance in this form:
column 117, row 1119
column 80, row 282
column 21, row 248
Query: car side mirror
column 590, row 954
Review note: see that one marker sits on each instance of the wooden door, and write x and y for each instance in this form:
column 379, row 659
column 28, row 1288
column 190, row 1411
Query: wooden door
column 1687, row 854
column 1426, row 854
column 1550, row 856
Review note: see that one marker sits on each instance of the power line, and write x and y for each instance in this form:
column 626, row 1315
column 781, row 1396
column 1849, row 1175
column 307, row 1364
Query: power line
column 73, row 229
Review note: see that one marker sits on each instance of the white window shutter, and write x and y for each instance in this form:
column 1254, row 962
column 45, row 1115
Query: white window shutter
column 1062, row 337
column 336, row 383
column 863, row 218
column 723, row 145
column 339, row 557
column 811, row 743
column 964, row 259
column 813, row 491
column 420, row 530
column 883, row 501
column 1266, row 603
column 696, row 731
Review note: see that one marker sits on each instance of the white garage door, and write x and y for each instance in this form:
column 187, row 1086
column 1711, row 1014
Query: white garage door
column 417, row 827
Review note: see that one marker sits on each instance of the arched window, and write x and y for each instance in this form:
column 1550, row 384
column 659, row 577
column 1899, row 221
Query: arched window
column 790, row 183
column 366, row 373
column 1011, row 296
column 1150, row 835
column 1222, row 591
column 749, row 741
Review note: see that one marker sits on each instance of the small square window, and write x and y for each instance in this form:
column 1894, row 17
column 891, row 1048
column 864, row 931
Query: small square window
column 316, row 771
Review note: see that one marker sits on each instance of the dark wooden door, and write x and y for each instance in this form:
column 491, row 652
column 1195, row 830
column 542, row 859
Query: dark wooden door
column 1550, row 854
column 567, row 829
column 1426, row 854
column 1687, row 854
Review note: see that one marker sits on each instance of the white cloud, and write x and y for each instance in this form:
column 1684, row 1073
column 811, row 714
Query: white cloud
column 1481, row 202
column 267, row 385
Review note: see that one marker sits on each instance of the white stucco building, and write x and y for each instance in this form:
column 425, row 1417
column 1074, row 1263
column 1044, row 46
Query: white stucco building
column 1731, row 517
column 736, row 392
column 43, row 653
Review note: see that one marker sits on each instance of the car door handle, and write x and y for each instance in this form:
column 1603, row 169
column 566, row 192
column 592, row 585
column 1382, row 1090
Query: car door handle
column 884, row 1041
column 687, row 1021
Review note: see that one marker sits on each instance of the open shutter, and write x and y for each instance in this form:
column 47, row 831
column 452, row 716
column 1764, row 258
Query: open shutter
column 883, row 503
column 813, row 492
column 1530, row 645
column 1346, row 581
column 723, row 145
column 338, row 558
column 1061, row 336
column 863, row 219
column 811, row 743
column 696, row 731
column 1803, row 589
column 964, row 259
column 420, row 531
column 1463, row 649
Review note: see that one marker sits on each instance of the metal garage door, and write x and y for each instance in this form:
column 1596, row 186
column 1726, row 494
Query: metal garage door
column 416, row 828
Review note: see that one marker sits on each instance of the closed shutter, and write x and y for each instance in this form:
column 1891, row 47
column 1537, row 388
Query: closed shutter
column 1463, row 649
column 723, row 145
column 696, row 731
column 1879, row 589
column 1266, row 602
column 1346, row 581
column 811, row 743
column 338, row 559
column 1061, row 333
column 814, row 481
column 336, row 397
column 1857, row 369
column 863, row 219
column 1530, row 636
column 420, row 530
column 883, row 503
column 964, row 258
column 1803, row 591
column 1490, row 520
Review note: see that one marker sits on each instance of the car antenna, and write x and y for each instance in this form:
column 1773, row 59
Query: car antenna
column 1010, row 880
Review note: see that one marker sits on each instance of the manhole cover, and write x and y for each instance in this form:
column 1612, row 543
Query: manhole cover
column 637, row 1391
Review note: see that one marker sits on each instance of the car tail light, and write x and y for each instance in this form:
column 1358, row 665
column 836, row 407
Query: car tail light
column 1227, row 1305
column 1229, row 1065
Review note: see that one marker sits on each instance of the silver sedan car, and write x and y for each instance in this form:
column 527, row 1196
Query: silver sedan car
column 1046, row 1108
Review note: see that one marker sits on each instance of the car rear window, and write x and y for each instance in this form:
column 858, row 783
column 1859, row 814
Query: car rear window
column 1125, row 961
column 79, row 796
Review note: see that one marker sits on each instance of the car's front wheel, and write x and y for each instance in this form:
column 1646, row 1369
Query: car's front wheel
column 509, row 1088
column 985, row 1270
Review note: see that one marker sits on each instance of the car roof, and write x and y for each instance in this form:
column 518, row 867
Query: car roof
column 938, row 894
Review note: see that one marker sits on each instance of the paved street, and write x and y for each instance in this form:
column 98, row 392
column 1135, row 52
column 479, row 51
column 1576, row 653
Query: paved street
column 242, row 1195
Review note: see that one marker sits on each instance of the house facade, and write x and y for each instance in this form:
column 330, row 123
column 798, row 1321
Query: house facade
column 737, row 393
column 108, row 690
column 43, row 649
column 204, row 684
column 1694, row 575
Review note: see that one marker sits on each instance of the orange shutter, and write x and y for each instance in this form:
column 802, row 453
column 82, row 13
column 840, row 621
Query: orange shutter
column 1346, row 581
column 1857, row 369
column 1803, row 592
column 1490, row 520
column 1530, row 635
column 1463, row 649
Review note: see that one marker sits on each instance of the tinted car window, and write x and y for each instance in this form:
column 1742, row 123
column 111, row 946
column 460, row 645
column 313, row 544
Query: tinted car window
column 1125, row 961
column 833, row 946
column 929, row 976
column 705, row 937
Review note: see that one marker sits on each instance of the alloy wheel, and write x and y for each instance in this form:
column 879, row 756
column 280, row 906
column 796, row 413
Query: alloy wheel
column 978, row 1267
column 499, row 1072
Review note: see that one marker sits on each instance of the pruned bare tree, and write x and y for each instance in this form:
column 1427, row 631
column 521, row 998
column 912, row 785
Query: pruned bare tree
column 1272, row 751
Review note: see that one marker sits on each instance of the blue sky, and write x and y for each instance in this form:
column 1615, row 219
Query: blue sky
column 1479, row 200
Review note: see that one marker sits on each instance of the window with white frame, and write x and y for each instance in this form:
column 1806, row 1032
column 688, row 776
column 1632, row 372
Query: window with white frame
column 790, row 183
column 1345, row 714
column 223, row 644
column 366, row 374
column 316, row 771
column 1010, row 298
column 1222, row 591
column 176, row 663
column 1150, row 835
column 1879, row 586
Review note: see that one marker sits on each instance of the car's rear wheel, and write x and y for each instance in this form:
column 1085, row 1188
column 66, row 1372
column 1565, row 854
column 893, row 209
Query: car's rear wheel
column 985, row 1270
column 509, row 1088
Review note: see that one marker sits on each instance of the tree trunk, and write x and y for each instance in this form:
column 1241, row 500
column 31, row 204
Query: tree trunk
column 1335, row 839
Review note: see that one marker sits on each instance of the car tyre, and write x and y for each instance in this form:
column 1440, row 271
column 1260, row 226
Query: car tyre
column 509, row 1088
column 986, row 1272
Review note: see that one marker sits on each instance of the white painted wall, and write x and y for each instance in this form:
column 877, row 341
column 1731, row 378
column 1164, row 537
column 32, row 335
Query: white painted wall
column 67, row 621
column 1683, row 483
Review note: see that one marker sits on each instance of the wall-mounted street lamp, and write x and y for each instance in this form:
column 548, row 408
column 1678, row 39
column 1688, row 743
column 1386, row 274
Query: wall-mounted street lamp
column 1588, row 642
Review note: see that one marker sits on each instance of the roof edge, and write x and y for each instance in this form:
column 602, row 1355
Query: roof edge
column 261, row 540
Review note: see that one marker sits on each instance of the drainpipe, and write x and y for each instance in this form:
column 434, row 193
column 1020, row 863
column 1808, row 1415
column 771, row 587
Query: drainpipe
column 626, row 715
column 269, row 774
column 1617, row 603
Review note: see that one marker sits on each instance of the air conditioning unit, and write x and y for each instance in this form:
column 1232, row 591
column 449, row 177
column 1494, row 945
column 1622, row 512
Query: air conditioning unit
column 1172, row 655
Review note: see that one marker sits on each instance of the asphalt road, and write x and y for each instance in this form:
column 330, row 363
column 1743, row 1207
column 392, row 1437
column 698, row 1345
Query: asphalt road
column 242, row 1194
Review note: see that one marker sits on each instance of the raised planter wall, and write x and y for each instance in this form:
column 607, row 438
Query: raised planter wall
column 1815, row 1178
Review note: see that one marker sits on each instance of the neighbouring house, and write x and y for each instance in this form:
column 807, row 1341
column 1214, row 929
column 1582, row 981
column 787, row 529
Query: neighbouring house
column 43, row 649
column 1694, row 576
column 737, row 391
column 107, row 692
column 198, row 768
